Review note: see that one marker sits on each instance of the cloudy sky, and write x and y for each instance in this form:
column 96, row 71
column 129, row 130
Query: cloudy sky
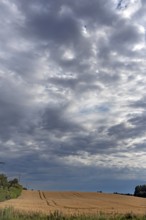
column 72, row 93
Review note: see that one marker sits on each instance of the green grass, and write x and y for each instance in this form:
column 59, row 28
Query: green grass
column 10, row 193
column 9, row 189
column 3, row 194
column 10, row 214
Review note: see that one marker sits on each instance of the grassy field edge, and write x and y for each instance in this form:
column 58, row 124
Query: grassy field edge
column 10, row 214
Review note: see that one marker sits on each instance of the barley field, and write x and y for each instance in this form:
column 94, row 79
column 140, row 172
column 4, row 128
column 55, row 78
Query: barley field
column 75, row 203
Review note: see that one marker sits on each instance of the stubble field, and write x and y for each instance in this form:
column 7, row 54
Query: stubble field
column 76, row 203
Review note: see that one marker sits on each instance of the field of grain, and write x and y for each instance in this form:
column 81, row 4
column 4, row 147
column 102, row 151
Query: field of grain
column 76, row 202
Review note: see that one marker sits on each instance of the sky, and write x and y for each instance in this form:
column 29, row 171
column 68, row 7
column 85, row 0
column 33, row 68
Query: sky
column 73, row 94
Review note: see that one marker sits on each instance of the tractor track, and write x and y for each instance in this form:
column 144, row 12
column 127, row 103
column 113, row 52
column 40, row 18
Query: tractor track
column 43, row 197
column 54, row 202
column 40, row 195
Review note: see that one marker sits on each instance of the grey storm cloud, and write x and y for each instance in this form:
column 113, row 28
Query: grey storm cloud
column 126, row 36
column 55, row 119
column 72, row 93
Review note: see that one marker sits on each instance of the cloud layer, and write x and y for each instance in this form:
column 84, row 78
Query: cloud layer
column 72, row 93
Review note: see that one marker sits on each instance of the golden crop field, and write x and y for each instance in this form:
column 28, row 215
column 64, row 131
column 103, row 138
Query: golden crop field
column 76, row 202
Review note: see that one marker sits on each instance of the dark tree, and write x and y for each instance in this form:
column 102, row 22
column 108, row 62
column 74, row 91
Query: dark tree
column 3, row 181
column 13, row 182
column 140, row 191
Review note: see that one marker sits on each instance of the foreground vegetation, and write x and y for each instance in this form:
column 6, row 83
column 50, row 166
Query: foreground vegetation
column 9, row 189
column 10, row 214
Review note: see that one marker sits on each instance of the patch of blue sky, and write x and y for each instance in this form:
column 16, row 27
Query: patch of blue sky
column 101, row 108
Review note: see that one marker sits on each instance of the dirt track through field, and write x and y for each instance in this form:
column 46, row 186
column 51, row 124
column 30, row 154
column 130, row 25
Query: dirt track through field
column 76, row 202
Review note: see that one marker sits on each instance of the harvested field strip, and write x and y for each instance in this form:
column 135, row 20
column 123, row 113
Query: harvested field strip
column 80, row 208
